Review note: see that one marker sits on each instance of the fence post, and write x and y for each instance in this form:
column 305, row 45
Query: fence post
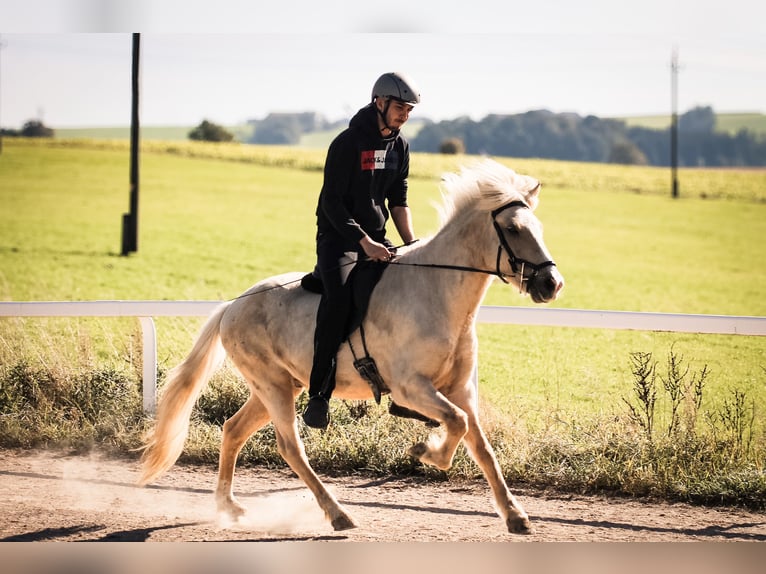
column 149, row 353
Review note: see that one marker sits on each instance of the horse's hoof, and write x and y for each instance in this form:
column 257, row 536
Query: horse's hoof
column 231, row 511
column 519, row 525
column 343, row 522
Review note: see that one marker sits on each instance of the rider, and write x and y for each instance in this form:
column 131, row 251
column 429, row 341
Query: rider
column 365, row 178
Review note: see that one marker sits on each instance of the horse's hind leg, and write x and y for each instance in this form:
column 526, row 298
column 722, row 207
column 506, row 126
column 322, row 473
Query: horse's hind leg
column 510, row 510
column 247, row 420
column 291, row 448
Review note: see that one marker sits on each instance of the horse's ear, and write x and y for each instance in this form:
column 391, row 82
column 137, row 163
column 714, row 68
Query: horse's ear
column 530, row 188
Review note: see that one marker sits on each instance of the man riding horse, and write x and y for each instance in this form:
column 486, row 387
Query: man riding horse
column 365, row 180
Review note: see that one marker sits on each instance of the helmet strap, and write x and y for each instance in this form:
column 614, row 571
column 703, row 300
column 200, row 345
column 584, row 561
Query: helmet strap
column 383, row 115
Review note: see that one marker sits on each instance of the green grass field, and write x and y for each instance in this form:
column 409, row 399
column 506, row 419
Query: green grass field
column 216, row 218
column 210, row 228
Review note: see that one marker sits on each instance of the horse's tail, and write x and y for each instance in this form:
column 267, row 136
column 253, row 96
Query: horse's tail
column 164, row 443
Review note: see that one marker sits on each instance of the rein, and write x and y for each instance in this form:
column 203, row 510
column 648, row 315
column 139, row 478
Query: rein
column 452, row 267
column 518, row 265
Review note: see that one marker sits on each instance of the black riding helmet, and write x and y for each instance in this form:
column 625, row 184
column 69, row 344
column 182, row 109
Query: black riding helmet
column 396, row 86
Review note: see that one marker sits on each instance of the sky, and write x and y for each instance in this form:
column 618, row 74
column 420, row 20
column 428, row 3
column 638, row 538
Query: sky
column 67, row 62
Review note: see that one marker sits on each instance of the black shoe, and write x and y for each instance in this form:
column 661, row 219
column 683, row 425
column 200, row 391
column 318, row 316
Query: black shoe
column 316, row 414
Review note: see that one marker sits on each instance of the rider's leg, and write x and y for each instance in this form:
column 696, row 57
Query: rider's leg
column 330, row 330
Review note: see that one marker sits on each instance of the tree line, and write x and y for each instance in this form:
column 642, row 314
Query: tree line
column 568, row 136
column 537, row 133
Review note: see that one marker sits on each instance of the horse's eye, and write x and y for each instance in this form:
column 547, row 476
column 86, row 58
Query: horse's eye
column 513, row 230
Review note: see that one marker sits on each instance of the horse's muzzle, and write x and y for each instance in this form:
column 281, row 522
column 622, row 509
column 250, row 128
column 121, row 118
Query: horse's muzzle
column 546, row 285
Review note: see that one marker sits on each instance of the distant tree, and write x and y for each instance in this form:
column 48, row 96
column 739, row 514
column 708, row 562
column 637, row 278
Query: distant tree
column 452, row 146
column 654, row 144
column 280, row 129
column 311, row 121
column 36, row 129
column 210, row 132
column 626, row 152
column 699, row 120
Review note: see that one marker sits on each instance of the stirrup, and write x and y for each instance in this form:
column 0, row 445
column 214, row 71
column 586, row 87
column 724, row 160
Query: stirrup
column 369, row 372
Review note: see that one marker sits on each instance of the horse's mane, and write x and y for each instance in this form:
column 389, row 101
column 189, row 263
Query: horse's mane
column 484, row 186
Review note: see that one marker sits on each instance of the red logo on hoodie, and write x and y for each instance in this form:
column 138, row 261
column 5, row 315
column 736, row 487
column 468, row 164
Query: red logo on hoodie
column 373, row 159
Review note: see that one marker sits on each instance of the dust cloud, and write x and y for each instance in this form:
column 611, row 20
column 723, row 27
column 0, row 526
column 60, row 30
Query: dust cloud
column 95, row 484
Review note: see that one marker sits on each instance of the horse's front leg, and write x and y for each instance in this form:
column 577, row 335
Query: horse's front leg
column 420, row 395
column 510, row 509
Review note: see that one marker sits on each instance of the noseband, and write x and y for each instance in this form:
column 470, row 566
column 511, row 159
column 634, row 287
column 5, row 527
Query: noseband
column 518, row 265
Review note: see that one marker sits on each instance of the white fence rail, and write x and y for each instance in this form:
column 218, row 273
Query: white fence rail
column 147, row 310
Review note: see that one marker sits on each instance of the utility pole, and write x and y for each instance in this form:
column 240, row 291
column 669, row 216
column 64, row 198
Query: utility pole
column 674, row 121
column 130, row 220
column 2, row 45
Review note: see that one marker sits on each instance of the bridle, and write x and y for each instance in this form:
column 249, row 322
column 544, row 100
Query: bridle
column 518, row 265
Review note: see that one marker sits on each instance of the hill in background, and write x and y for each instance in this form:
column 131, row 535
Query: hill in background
column 729, row 123
column 705, row 138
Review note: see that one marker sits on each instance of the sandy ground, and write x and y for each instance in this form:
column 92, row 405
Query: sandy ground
column 53, row 497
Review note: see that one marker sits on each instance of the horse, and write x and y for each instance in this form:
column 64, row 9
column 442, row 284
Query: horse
column 419, row 326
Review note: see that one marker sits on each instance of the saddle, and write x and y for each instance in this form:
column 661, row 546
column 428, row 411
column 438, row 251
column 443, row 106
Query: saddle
column 363, row 279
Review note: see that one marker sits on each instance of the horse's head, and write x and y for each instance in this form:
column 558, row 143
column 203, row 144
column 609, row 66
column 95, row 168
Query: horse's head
column 521, row 247
column 522, row 257
column 488, row 190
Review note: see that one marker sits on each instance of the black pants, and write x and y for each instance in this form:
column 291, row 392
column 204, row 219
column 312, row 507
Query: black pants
column 332, row 315
column 335, row 310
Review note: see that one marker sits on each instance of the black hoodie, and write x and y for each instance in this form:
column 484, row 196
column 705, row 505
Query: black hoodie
column 363, row 172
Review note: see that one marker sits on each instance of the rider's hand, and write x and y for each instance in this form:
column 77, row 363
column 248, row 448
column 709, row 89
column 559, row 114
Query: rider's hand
column 374, row 250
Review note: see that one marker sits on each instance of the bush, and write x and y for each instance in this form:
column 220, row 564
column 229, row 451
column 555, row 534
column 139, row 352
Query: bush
column 36, row 129
column 210, row 132
column 453, row 146
column 42, row 407
column 664, row 445
column 221, row 399
column 627, row 153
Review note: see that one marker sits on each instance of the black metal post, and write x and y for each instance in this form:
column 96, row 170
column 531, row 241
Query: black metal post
column 130, row 220
column 674, row 122
column 2, row 45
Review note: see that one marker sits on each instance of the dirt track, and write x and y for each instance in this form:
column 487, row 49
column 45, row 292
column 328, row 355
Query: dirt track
column 68, row 498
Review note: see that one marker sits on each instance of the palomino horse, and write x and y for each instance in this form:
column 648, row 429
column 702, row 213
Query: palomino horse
column 420, row 328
